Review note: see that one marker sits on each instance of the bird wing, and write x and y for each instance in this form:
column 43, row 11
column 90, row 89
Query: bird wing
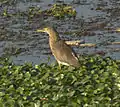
column 64, row 53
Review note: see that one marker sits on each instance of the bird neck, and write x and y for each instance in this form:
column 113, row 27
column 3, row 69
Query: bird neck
column 54, row 36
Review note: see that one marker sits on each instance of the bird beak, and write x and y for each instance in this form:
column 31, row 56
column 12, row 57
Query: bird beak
column 39, row 30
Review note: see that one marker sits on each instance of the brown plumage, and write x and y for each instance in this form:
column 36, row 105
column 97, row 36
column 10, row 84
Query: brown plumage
column 62, row 52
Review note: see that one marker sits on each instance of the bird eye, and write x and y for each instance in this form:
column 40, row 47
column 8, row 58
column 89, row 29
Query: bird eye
column 45, row 28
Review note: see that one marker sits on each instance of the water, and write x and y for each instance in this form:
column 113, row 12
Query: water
column 19, row 32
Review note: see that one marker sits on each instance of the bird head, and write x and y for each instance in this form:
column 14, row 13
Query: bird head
column 49, row 30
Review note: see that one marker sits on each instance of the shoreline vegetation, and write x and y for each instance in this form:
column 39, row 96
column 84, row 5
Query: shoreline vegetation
column 95, row 83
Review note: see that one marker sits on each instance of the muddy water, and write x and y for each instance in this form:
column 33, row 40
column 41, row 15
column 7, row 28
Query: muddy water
column 19, row 40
